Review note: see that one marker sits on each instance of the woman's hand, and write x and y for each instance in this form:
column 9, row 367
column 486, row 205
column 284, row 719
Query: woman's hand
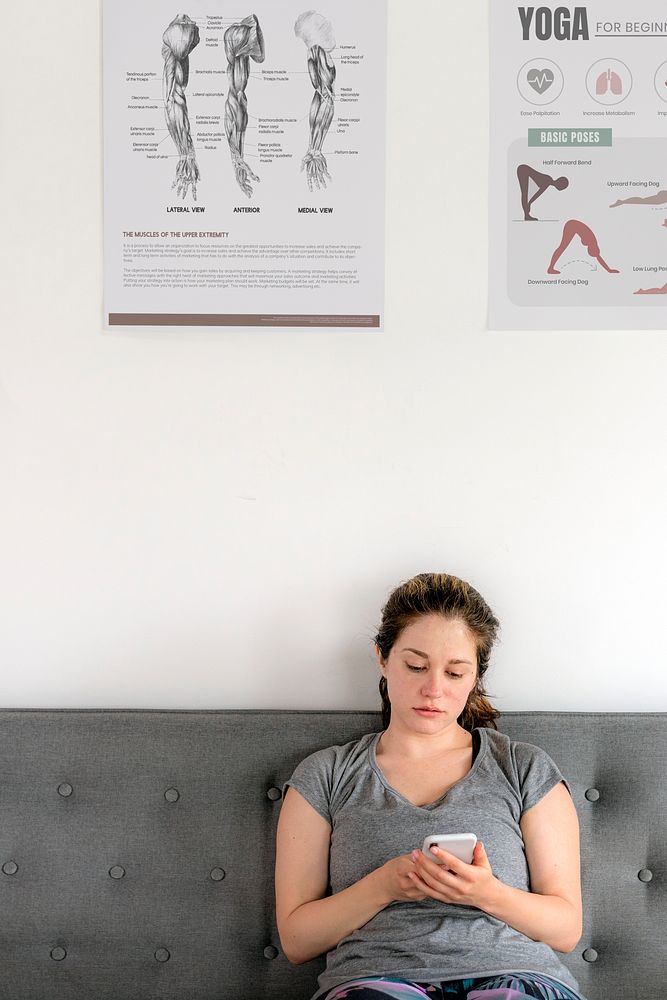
column 396, row 879
column 454, row 881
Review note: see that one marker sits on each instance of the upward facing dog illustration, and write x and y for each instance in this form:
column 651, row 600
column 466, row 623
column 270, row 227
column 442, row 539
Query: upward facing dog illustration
column 660, row 198
column 525, row 175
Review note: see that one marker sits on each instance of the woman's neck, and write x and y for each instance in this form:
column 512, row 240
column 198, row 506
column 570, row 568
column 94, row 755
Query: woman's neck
column 422, row 746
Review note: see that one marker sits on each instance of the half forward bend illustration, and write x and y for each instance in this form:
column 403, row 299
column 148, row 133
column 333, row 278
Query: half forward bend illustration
column 316, row 32
column 525, row 174
column 243, row 42
column 178, row 41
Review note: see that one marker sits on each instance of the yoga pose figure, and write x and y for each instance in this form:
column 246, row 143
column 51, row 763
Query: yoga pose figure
column 351, row 879
column 243, row 42
column 652, row 291
column 660, row 198
column 526, row 174
column 574, row 228
column 317, row 35
column 178, row 41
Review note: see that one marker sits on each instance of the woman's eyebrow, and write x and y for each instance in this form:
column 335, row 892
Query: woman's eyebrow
column 409, row 649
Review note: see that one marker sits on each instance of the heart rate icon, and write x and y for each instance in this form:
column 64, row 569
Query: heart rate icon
column 540, row 79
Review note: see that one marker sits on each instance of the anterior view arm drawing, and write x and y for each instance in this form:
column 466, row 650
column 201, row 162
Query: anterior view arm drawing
column 178, row 41
column 243, row 42
column 317, row 34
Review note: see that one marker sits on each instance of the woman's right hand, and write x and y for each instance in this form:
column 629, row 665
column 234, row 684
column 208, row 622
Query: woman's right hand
column 396, row 883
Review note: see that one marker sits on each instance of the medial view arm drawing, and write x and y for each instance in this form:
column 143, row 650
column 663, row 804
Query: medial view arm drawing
column 316, row 32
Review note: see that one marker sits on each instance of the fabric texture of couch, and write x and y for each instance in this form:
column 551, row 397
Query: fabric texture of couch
column 137, row 849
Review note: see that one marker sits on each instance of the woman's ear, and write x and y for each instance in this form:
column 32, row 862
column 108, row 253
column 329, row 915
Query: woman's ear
column 380, row 658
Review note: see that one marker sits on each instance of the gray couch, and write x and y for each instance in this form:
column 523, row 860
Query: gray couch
column 137, row 849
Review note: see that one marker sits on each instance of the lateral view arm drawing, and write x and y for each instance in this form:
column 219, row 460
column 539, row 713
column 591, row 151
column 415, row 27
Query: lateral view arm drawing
column 316, row 32
column 525, row 175
column 574, row 228
column 243, row 42
column 178, row 41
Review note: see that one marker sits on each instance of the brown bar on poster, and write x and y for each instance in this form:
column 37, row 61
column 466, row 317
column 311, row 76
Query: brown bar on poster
column 242, row 319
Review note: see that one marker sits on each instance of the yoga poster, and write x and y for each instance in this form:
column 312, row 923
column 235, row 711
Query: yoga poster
column 578, row 186
column 244, row 162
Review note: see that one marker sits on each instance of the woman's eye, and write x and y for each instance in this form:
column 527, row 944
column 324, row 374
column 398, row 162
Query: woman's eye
column 410, row 666
column 456, row 676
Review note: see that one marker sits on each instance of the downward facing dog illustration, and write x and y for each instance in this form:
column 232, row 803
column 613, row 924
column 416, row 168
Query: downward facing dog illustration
column 574, row 228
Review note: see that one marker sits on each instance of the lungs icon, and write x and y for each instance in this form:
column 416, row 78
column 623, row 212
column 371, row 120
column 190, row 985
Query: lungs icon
column 609, row 80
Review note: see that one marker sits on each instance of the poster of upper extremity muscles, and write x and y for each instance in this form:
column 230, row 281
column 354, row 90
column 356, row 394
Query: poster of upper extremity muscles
column 578, row 188
column 244, row 162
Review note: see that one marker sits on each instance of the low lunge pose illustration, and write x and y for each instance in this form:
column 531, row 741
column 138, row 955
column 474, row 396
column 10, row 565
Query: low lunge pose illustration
column 243, row 42
column 525, row 174
column 317, row 35
column 178, row 41
column 574, row 228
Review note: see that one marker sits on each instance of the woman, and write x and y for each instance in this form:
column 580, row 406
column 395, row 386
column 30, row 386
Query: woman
column 350, row 878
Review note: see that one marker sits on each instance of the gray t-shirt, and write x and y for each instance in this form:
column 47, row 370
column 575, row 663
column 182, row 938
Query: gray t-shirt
column 371, row 823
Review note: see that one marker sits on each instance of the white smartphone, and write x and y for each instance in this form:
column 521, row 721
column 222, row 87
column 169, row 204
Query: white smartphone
column 461, row 845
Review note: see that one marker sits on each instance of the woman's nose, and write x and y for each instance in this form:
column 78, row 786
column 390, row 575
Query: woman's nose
column 432, row 686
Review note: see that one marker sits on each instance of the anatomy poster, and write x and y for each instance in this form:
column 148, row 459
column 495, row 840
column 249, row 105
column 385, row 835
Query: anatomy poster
column 244, row 157
column 578, row 190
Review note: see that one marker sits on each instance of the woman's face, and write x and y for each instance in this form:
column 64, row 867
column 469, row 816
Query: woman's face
column 430, row 672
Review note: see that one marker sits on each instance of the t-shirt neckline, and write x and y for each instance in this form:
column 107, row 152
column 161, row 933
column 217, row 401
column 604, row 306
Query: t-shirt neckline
column 430, row 805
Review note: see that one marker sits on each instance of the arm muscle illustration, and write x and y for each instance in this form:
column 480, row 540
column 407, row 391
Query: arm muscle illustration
column 317, row 34
column 178, row 41
column 243, row 42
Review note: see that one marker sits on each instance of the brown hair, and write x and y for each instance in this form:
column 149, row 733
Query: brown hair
column 442, row 594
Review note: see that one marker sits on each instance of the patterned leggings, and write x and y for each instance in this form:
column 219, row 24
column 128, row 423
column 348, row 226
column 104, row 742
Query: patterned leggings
column 509, row 986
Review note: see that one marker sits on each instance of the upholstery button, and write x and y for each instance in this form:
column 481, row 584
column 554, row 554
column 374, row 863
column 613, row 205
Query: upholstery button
column 218, row 874
column 172, row 795
column 57, row 954
column 274, row 794
column 270, row 952
column 645, row 875
column 65, row 789
column 592, row 794
column 117, row 871
column 10, row 868
column 590, row 955
column 162, row 955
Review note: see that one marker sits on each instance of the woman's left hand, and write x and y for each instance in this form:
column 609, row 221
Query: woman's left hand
column 454, row 881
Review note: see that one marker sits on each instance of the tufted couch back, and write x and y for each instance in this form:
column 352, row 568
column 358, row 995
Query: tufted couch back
column 137, row 849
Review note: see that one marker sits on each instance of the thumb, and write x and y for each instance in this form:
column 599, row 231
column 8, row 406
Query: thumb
column 480, row 856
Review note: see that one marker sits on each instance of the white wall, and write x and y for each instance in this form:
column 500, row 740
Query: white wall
column 213, row 519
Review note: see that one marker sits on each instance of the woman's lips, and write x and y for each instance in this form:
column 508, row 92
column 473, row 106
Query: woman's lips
column 428, row 711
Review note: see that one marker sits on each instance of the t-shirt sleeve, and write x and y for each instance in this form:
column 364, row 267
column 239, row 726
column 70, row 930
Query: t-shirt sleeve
column 536, row 772
column 313, row 778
